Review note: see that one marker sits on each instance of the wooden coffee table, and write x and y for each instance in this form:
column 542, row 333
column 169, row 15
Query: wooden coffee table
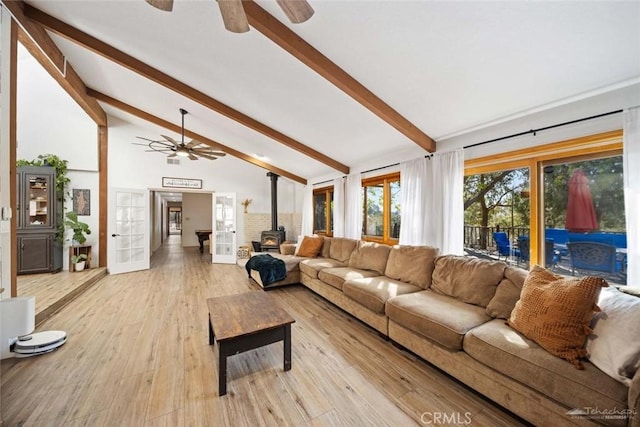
column 244, row 322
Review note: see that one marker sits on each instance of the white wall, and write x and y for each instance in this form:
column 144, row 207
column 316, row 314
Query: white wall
column 56, row 125
column 603, row 103
column 196, row 215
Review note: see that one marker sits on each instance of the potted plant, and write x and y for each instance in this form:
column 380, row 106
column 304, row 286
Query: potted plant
column 78, row 261
column 80, row 229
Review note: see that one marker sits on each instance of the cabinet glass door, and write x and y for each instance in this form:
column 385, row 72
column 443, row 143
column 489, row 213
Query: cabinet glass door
column 38, row 194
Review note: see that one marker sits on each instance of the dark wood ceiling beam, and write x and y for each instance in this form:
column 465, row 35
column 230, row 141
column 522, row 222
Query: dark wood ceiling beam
column 43, row 49
column 101, row 48
column 280, row 34
column 177, row 129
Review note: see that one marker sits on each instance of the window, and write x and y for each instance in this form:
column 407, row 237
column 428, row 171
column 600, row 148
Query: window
column 323, row 211
column 381, row 204
column 530, row 203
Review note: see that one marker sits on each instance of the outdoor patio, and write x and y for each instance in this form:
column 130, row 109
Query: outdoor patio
column 563, row 266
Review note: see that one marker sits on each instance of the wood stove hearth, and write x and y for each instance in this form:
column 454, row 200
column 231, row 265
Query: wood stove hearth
column 271, row 239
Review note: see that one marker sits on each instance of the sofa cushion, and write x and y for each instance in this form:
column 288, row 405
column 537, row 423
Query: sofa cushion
column 341, row 248
column 337, row 276
column 555, row 311
column 312, row 266
column 441, row 318
column 325, row 253
column 310, row 246
column 288, row 248
column 412, row 264
column 373, row 292
column 502, row 348
column 370, row 256
column 467, row 279
column 507, row 293
column 610, row 346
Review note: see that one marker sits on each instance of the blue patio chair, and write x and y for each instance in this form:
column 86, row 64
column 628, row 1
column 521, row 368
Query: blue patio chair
column 504, row 246
column 552, row 256
column 523, row 246
column 592, row 256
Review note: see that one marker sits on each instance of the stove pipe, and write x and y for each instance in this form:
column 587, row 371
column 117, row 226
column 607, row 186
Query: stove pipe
column 274, row 200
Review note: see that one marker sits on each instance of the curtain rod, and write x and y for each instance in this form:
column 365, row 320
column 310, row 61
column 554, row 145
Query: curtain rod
column 534, row 131
column 530, row 131
column 428, row 156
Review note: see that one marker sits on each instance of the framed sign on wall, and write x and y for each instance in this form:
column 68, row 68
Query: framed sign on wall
column 169, row 182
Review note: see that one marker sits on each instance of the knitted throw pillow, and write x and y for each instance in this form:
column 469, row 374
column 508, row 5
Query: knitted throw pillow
column 555, row 312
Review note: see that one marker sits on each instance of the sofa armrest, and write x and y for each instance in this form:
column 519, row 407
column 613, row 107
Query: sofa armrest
column 634, row 400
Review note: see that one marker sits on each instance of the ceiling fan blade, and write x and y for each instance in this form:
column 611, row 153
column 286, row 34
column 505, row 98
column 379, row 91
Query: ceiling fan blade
column 171, row 140
column 166, row 5
column 193, row 143
column 140, row 143
column 192, row 157
column 205, row 156
column 208, row 151
column 296, row 10
column 146, row 139
column 172, row 155
column 233, row 16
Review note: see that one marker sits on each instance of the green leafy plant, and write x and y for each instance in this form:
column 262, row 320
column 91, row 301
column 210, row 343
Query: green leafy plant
column 80, row 229
column 77, row 258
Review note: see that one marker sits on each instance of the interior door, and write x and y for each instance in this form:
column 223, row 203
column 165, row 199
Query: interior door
column 129, row 244
column 224, row 228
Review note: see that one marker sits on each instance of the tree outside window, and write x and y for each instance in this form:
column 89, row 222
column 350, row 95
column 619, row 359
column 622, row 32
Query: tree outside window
column 323, row 211
column 381, row 216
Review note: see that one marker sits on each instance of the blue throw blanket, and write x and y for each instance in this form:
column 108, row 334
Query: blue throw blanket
column 271, row 269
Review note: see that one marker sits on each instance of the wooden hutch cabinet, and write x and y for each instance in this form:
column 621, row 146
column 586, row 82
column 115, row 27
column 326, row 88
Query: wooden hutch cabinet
column 38, row 214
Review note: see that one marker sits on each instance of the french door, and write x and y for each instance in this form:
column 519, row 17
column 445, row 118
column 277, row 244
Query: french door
column 224, row 228
column 128, row 230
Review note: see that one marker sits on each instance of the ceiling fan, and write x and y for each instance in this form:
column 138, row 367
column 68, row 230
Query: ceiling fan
column 234, row 18
column 193, row 149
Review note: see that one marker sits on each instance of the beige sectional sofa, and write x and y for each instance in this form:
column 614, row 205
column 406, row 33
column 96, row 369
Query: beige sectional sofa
column 452, row 311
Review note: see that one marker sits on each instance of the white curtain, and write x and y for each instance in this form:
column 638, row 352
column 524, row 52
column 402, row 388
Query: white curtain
column 306, row 228
column 413, row 185
column 631, row 159
column 445, row 226
column 432, row 207
column 353, row 207
column 338, row 207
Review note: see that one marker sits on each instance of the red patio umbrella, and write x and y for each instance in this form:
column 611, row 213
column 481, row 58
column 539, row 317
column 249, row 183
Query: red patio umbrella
column 581, row 215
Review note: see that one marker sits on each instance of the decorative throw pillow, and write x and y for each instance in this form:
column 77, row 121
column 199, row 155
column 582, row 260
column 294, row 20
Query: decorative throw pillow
column 555, row 312
column 610, row 347
column 288, row 248
column 310, row 246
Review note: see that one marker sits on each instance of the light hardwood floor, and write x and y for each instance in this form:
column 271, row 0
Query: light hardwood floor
column 138, row 355
column 54, row 290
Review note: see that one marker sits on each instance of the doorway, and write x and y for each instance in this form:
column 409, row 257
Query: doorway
column 175, row 219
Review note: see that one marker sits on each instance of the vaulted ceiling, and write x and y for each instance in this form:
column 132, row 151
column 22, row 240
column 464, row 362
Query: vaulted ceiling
column 358, row 81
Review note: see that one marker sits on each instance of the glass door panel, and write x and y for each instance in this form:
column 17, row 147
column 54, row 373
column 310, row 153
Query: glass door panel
column 224, row 228
column 39, row 195
column 129, row 246
column 496, row 216
column 584, row 218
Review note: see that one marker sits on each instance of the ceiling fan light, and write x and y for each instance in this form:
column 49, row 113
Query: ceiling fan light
column 182, row 152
